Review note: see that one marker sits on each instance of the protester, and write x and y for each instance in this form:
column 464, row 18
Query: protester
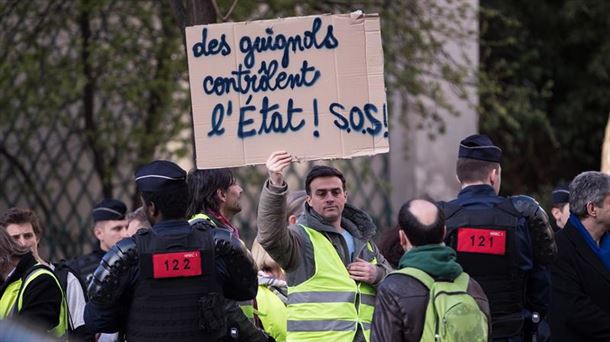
column 580, row 309
column 403, row 296
column 109, row 227
column 24, row 227
column 30, row 291
column 390, row 246
column 504, row 243
column 269, row 308
column 214, row 196
column 268, row 311
column 560, row 201
column 136, row 220
column 160, row 278
column 329, row 256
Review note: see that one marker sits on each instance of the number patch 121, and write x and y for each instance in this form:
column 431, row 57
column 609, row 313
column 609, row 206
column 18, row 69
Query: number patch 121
column 481, row 240
column 179, row 264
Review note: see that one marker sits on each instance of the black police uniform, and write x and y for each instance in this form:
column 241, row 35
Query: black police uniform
column 107, row 209
column 168, row 283
column 505, row 244
column 560, row 196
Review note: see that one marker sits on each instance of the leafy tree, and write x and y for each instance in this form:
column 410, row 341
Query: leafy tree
column 92, row 89
column 545, row 78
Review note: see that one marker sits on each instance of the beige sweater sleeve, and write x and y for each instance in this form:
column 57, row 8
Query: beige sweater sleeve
column 282, row 244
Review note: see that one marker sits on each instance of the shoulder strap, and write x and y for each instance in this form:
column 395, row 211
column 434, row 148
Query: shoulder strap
column 458, row 285
column 25, row 280
column 62, row 271
column 420, row 275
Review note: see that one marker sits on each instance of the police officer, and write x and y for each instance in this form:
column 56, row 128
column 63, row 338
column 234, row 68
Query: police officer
column 109, row 227
column 504, row 243
column 560, row 205
column 167, row 283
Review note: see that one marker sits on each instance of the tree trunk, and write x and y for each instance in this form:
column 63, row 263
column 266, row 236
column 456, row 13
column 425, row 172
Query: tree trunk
column 197, row 12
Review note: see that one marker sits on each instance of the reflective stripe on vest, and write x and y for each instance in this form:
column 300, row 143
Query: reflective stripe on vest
column 329, row 305
column 201, row 216
column 14, row 295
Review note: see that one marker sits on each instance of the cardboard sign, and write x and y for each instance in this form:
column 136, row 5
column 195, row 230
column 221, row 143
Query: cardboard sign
column 312, row 86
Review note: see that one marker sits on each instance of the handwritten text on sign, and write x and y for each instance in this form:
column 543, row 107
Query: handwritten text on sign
column 310, row 85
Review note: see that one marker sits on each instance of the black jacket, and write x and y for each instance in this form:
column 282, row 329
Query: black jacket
column 41, row 299
column 580, row 309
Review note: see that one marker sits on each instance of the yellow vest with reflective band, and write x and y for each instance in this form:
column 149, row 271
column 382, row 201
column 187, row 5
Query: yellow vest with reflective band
column 272, row 313
column 13, row 295
column 270, row 310
column 247, row 308
column 330, row 305
column 202, row 216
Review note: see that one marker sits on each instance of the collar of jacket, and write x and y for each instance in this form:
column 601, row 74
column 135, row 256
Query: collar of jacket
column 477, row 190
column 27, row 261
column 437, row 260
column 355, row 221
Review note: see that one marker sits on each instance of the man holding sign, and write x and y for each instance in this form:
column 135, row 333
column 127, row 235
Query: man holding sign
column 331, row 262
column 504, row 243
column 169, row 281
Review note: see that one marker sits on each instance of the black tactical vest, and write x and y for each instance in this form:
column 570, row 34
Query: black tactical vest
column 486, row 244
column 177, row 296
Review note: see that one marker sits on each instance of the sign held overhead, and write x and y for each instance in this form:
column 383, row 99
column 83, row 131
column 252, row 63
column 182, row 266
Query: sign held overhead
column 312, row 86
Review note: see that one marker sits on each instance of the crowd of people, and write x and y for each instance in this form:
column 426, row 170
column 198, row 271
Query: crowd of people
column 480, row 267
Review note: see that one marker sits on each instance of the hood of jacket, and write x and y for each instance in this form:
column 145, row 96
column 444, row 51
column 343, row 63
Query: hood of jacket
column 355, row 221
column 436, row 260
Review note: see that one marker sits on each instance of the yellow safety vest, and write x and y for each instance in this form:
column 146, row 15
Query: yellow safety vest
column 330, row 305
column 14, row 294
column 202, row 216
column 272, row 313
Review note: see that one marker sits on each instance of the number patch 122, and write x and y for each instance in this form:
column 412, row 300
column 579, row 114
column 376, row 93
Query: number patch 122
column 481, row 240
column 179, row 264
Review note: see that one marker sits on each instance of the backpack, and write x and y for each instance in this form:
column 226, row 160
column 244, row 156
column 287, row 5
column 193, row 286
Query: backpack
column 452, row 314
column 62, row 269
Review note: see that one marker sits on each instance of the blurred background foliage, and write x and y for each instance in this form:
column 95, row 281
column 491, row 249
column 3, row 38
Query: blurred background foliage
column 104, row 84
column 544, row 85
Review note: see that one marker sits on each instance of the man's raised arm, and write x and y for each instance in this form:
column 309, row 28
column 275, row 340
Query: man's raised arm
column 282, row 244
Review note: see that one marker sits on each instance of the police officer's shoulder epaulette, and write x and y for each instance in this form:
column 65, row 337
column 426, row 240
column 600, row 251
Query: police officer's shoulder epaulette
column 222, row 234
column 143, row 231
column 449, row 209
column 201, row 224
column 545, row 249
column 113, row 272
column 525, row 205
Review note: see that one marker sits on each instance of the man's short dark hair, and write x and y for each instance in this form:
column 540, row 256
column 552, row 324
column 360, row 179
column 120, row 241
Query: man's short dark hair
column 418, row 233
column 474, row 170
column 322, row 171
column 21, row 216
column 171, row 202
column 202, row 187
